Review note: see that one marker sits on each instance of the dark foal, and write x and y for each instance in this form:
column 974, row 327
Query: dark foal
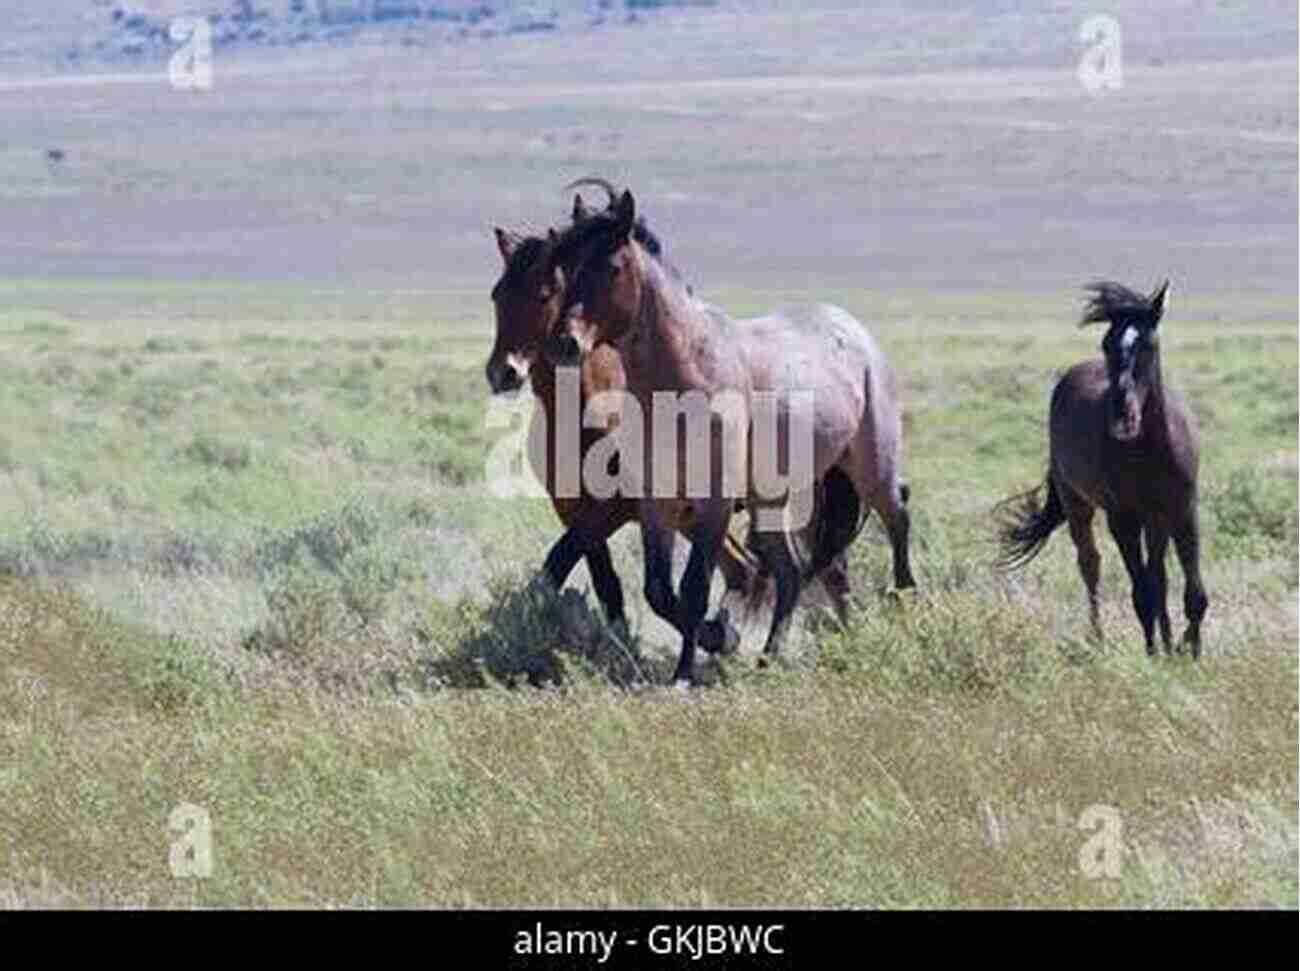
column 1123, row 442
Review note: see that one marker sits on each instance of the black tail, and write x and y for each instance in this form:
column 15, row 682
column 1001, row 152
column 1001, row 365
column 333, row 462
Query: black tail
column 1024, row 526
column 841, row 518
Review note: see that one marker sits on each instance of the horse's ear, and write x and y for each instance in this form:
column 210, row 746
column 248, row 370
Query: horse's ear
column 1159, row 301
column 625, row 216
column 579, row 208
column 507, row 243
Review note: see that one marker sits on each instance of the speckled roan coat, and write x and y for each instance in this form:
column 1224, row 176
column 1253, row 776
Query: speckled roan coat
column 672, row 342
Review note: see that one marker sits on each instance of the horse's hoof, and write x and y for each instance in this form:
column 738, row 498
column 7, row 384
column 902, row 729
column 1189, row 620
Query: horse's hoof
column 717, row 637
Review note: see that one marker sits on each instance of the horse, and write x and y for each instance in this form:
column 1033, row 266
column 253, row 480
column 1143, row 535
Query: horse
column 1124, row 442
column 526, row 301
column 671, row 342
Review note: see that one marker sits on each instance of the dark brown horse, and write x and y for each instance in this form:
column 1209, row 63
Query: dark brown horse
column 817, row 363
column 1123, row 442
column 527, row 301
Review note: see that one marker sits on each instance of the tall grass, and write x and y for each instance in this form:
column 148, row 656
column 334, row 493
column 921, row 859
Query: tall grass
column 273, row 606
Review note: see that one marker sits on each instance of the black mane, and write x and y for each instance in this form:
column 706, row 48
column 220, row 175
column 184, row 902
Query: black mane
column 1114, row 303
column 602, row 226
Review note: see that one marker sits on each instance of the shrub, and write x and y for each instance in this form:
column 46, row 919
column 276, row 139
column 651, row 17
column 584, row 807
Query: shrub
column 182, row 675
column 215, row 453
column 529, row 634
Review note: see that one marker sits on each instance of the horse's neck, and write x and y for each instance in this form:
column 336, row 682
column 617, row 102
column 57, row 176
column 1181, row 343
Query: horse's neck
column 1156, row 418
column 670, row 320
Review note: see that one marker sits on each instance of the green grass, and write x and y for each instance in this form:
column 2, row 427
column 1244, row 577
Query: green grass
column 250, row 564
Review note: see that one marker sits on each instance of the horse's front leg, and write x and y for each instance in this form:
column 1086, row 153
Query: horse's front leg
column 587, row 536
column 657, row 543
column 739, row 570
column 1127, row 532
column 711, row 518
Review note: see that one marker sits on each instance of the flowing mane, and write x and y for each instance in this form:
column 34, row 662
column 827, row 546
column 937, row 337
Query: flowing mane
column 1114, row 303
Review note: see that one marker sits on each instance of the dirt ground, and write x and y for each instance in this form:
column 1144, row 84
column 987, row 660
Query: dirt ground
column 772, row 146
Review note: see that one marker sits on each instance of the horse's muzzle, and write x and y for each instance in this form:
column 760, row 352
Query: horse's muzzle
column 1126, row 425
column 502, row 377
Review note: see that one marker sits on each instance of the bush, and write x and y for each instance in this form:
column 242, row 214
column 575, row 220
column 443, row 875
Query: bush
column 305, row 616
column 529, row 634
column 1253, row 504
column 974, row 642
column 329, row 538
column 182, row 675
column 215, row 453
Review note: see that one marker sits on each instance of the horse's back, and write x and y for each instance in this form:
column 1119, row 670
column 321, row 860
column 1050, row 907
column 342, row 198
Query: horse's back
column 823, row 351
column 806, row 346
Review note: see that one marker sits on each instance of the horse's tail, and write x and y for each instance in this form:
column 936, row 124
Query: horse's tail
column 741, row 553
column 841, row 518
column 1024, row 526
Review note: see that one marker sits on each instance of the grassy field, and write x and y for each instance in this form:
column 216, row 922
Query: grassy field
column 250, row 566
column 248, row 560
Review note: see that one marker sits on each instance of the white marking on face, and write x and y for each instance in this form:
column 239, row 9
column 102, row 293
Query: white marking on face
column 520, row 363
column 1129, row 339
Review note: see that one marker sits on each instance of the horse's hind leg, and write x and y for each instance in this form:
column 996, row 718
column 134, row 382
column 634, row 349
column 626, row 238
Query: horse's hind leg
column 1127, row 530
column 837, row 520
column 891, row 503
column 657, row 544
column 738, row 570
column 1079, row 517
column 835, row 579
column 1157, row 543
column 707, row 539
column 774, row 547
column 1195, row 602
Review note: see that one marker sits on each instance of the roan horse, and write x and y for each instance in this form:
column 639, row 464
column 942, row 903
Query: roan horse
column 1123, row 442
column 527, row 302
column 671, row 342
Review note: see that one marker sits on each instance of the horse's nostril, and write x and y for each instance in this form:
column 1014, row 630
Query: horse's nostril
column 503, row 377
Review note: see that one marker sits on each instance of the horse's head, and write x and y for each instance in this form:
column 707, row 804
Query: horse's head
column 1132, row 348
column 527, row 299
column 599, row 258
